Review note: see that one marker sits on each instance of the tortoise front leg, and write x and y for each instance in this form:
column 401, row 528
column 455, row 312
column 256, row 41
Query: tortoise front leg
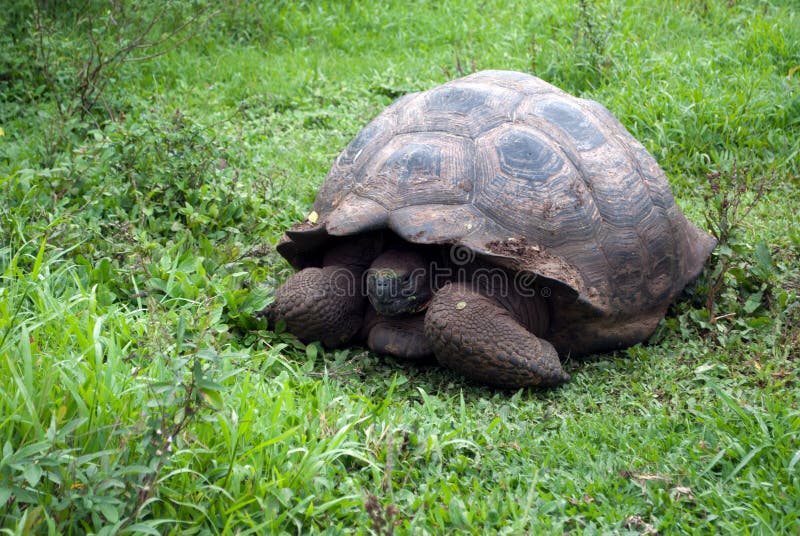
column 399, row 336
column 320, row 304
column 473, row 335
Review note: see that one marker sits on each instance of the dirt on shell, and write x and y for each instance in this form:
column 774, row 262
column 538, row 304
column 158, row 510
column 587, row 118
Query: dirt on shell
column 535, row 259
column 303, row 226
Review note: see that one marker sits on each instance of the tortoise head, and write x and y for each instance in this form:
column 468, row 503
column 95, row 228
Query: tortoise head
column 398, row 283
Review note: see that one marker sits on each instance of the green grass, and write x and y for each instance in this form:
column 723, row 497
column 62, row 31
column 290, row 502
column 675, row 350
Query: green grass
column 139, row 394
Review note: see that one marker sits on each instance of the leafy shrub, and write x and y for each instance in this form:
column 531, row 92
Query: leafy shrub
column 740, row 295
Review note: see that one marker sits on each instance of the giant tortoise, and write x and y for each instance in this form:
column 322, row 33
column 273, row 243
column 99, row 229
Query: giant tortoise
column 495, row 222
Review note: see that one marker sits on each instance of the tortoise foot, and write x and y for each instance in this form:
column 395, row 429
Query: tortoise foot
column 402, row 337
column 475, row 336
column 319, row 304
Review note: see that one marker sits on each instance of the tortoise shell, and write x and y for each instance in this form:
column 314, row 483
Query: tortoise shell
column 529, row 178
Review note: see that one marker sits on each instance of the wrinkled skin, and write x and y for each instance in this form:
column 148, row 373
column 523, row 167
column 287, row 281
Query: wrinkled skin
column 397, row 283
column 398, row 312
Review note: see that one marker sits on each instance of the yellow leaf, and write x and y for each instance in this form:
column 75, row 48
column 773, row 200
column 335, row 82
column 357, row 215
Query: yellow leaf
column 2, row 132
column 313, row 217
